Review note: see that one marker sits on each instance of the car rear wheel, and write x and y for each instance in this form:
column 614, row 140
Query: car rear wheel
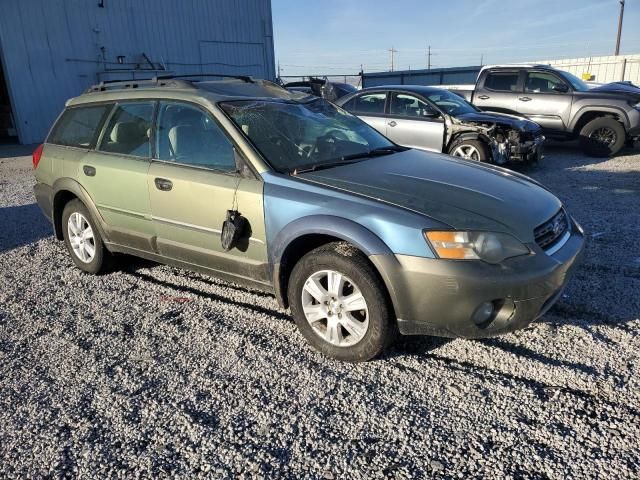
column 340, row 305
column 602, row 137
column 82, row 239
column 469, row 150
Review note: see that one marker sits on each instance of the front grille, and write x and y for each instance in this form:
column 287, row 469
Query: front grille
column 552, row 231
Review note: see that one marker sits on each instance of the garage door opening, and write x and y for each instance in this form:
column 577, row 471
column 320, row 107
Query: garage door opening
column 8, row 132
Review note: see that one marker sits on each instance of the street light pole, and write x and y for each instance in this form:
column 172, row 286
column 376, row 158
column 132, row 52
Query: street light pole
column 619, row 27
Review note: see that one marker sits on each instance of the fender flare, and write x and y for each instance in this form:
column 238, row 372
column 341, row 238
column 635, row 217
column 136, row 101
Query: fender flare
column 348, row 230
column 67, row 184
column 600, row 109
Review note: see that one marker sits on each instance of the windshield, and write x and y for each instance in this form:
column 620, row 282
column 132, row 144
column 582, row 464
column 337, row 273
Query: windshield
column 575, row 82
column 451, row 103
column 299, row 136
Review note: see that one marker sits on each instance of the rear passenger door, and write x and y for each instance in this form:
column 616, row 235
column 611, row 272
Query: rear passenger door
column 193, row 180
column 371, row 108
column 414, row 123
column 499, row 91
column 115, row 174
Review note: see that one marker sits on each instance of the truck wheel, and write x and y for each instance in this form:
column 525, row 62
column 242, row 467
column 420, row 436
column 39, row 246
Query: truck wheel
column 602, row 137
column 82, row 239
column 470, row 150
column 339, row 304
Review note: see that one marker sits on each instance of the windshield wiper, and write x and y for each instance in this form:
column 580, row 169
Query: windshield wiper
column 352, row 158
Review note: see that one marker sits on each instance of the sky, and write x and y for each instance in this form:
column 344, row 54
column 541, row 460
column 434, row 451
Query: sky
column 314, row 37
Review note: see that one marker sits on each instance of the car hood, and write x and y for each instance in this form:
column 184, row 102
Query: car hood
column 618, row 87
column 459, row 193
column 513, row 121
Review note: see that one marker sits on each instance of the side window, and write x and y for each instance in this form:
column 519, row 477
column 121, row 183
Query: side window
column 502, row 81
column 77, row 126
column 368, row 103
column 189, row 135
column 410, row 106
column 129, row 130
column 540, row 82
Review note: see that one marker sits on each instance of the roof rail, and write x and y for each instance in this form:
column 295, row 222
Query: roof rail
column 141, row 83
column 244, row 78
column 177, row 81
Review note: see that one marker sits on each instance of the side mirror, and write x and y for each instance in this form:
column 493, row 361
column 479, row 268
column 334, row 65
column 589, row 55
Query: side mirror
column 561, row 88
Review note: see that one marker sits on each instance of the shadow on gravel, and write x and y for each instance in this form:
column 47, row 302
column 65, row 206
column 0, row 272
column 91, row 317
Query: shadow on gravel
column 211, row 296
column 22, row 225
column 522, row 351
column 11, row 150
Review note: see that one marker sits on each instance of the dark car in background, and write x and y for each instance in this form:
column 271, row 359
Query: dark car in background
column 438, row 120
column 321, row 87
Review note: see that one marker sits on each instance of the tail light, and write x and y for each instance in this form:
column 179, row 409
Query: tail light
column 37, row 154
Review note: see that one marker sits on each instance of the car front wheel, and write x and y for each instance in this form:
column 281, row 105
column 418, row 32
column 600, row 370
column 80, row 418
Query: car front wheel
column 602, row 137
column 82, row 239
column 339, row 304
column 470, row 150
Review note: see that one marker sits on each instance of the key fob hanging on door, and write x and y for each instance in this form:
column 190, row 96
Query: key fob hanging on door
column 232, row 229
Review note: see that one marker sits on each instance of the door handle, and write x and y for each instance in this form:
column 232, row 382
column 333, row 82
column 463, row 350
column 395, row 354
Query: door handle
column 392, row 123
column 163, row 184
column 524, row 99
column 484, row 97
column 89, row 171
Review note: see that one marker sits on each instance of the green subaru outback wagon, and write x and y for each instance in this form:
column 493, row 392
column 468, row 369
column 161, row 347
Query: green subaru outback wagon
column 285, row 192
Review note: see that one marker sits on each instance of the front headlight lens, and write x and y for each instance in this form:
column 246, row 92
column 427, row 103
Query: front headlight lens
column 487, row 246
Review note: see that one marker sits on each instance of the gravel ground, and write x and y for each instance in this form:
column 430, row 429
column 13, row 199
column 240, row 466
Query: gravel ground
column 151, row 371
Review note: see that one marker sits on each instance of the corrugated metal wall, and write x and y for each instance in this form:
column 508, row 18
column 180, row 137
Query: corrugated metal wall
column 435, row 76
column 602, row 69
column 53, row 50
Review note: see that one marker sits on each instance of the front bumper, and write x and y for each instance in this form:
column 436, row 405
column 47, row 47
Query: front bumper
column 528, row 151
column 439, row 297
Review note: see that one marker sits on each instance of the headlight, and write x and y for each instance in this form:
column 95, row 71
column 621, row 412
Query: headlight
column 487, row 246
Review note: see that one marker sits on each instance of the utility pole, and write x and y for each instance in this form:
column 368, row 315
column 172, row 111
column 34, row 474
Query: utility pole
column 619, row 27
column 393, row 51
column 429, row 57
column 481, row 59
column 278, row 68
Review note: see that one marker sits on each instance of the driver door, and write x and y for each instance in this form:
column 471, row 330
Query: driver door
column 193, row 180
column 414, row 123
column 546, row 100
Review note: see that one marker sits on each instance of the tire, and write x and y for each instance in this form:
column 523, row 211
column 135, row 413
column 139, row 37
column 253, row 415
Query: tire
column 476, row 149
column 83, row 240
column 602, row 137
column 376, row 326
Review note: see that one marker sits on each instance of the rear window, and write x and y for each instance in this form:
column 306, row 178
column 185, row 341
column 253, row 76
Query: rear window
column 502, row 81
column 372, row 103
column 78, row 126
column 129, row 130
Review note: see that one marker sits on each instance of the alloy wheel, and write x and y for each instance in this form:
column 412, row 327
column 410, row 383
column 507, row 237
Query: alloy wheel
column 605, row 136
column 335, row 308
column 467, row 151
column 81, row 237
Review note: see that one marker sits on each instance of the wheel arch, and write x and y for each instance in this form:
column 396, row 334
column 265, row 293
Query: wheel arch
column 586, row 114
column 305, row 234
column 64, row 191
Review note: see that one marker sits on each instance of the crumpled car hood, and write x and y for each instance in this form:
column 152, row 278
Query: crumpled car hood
column 459, row 193
column 513, row 121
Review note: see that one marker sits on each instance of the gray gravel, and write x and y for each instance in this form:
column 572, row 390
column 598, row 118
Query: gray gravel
column 153, row 371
